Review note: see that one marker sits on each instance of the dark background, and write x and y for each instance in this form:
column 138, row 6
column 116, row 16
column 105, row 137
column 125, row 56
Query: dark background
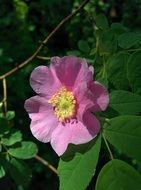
column 23, row 24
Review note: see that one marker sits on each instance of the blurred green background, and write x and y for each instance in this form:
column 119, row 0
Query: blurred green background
column 23, row 25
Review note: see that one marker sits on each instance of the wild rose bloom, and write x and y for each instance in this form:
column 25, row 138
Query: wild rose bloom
column 61, row 113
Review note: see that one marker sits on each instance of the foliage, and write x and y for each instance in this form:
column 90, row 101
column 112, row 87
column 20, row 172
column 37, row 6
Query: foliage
column 113, row 47
column 13, row 151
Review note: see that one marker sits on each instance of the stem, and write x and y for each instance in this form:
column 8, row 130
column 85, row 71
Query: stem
column 44, row 42
column 109, row 150
column 130, row 50
column 97, row 46
column 4, row 95
column 46, row 163
column 137, row 49
column 43, row 58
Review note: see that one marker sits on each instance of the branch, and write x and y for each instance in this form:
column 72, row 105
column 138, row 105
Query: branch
column 4, row 95
column 44, row 42
column 43, row 58
column 46, row 164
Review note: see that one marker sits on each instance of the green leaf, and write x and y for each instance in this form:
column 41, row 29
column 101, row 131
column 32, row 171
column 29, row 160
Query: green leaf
column 103, row 80
column 117, row 70
column 107, row 42
column 23, row 150
column 2, row 171
column 3, row 165
column 129, row 39
column 124, row 132
column 11, row 138
column 21, row 9
column 134, row 72
column 4, row 126
column 75, row 52
column 9, row 115
column 20, row 172
column 118, row 175
column 117, row 28
column 101, row 21
column 76, row 171
column 125, row 102
column 83, row 46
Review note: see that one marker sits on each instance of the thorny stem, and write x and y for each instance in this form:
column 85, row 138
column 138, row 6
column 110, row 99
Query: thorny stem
column 4, row 95
column 43, row 58
column 109, row 150
column 44, row 42
column 46, row 163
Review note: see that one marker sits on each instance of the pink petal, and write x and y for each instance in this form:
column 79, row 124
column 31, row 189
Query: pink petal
column 44, row 82
column 37, row 107
column 85, row 74
column 71, row 70
column 99, row 96
column 66, row 69
column 80, row 92
column 42, row 129
column 74, row 132
column 43, row 119
column 84, row 99
column 91, row 122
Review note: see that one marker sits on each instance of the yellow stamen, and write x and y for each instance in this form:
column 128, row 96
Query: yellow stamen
column 64, row 104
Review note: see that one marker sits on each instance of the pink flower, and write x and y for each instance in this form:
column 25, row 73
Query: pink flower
column 61, row 113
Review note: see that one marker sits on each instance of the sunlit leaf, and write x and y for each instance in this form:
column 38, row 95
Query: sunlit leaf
column 117, row 70
column 118, row 175
column 3, row 165
column 9, row 115
column 125, row 102
column 129, row 39
column 76, row 172
column 134, row 72
column 124, row 132
column 11, row 138
column 23, row 150
column 2, row 171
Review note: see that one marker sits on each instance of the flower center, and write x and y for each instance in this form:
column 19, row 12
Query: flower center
column 64, row 104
